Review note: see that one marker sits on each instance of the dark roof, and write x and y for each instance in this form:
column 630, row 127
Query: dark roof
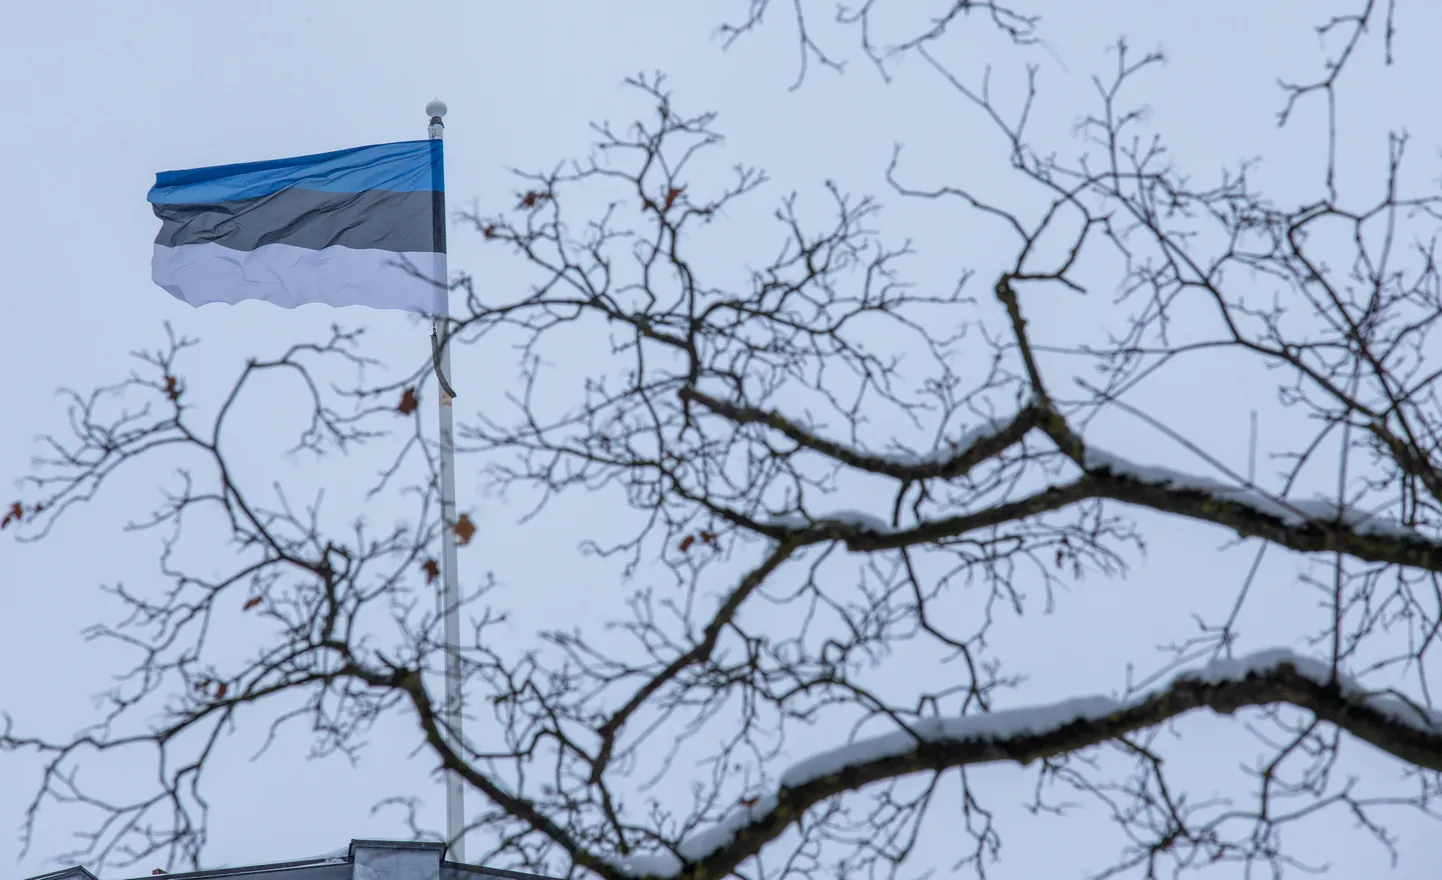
column 365, row 860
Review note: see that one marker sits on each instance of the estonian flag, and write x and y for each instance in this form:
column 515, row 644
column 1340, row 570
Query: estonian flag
column 355, row 227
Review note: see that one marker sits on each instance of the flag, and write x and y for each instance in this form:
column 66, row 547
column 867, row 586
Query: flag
column 349, row 228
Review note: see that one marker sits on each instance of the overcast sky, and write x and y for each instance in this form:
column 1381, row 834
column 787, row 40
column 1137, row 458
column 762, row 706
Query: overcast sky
column 100, row 96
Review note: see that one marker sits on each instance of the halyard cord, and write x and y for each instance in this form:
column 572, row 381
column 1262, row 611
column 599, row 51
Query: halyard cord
column 436, row 362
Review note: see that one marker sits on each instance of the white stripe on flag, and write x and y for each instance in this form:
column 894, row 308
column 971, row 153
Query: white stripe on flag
column 290, row 276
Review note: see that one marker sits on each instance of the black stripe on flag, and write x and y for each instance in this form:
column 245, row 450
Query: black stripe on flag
column 374, row 219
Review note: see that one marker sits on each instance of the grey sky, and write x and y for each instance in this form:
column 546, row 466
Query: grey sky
column 101, row 96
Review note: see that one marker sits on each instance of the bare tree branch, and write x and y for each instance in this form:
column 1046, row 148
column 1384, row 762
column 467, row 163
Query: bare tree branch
column 820, row 476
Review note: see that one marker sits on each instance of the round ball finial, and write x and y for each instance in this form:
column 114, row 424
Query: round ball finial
column 436, row 108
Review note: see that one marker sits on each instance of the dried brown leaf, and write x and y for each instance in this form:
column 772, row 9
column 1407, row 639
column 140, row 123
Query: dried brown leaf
column 408, row 402
column 464, row 530
column 671, row 195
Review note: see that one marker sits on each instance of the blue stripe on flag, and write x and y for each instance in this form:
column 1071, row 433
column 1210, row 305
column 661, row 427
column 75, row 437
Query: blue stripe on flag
column 407, row 166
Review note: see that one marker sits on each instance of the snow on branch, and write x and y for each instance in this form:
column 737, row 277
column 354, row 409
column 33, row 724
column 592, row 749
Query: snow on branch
column 1306, row 526
column 851, row 519
column 1291, row 512
column 864, row 533
column 1310, row 526
column 991, row 438
column 961, row 455
column 1390, row 722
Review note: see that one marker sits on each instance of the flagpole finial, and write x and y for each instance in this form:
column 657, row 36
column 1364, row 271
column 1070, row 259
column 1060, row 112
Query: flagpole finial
column 436, row 109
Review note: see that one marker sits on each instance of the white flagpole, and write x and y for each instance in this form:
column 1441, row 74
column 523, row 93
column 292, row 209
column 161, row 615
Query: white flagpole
column 450, row 594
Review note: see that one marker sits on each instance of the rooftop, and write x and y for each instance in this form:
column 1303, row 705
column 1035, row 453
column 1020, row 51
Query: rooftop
column 362, row 860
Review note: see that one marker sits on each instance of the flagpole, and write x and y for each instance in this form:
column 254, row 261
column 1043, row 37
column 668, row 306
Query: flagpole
column 450, row 594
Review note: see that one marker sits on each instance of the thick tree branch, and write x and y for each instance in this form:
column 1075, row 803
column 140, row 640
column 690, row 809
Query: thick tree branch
column 979, row 446
column 1028, row 735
